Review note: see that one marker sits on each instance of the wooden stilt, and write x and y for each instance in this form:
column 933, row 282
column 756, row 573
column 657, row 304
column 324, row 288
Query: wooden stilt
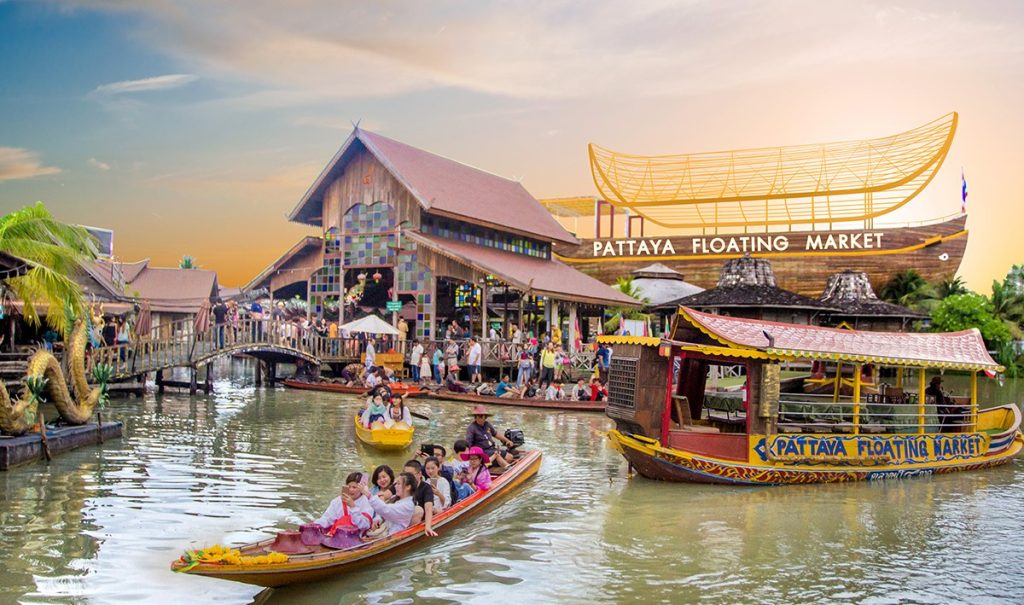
column 193, row 387
column 42, row 437
column 159, row 381
column 259, row 373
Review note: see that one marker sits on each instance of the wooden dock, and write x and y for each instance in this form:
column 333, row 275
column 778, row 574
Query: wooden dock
column 28, row 448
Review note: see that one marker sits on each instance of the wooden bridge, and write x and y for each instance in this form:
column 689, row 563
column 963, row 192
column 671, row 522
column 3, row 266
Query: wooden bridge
column 180, row 345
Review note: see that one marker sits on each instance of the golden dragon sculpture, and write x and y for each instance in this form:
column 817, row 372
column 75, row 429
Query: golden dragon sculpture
column 44, row 381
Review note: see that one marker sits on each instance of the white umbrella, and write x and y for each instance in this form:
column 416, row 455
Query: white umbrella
column 371, row 324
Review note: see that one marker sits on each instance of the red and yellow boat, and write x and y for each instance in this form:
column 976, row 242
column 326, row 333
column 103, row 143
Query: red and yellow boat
column 666, row 431
column 398, row 388
column 575, row 406
column 325, row 563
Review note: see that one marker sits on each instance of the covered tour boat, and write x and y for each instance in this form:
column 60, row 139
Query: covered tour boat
column 671, row 427
column 257, row 566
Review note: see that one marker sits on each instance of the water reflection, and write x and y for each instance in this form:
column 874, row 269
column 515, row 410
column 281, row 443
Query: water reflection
column 102, row 524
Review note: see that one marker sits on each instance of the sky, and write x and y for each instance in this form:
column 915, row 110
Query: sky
column 194, row 126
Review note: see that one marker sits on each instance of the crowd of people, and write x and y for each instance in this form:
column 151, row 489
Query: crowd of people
column 383, row 502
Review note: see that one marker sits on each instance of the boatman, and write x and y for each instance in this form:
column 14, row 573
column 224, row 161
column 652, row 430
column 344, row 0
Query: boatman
column 482, row 434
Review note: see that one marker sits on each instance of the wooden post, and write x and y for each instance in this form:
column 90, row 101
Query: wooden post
column 974, row 401
column 899, row 378
column 572, row 327
column 271, row 372
column 856, row 398
column 920, row 402
column 42, row 437
column 483, row 309
column 839, row 382
column 259, row 373
column 209, row 378
column 193, row 386
column 159, row 381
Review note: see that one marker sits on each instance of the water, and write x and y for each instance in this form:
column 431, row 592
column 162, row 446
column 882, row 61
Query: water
column 101, row 525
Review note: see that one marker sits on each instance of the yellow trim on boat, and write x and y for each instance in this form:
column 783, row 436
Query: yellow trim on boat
column 647, row 341
column 398, row 437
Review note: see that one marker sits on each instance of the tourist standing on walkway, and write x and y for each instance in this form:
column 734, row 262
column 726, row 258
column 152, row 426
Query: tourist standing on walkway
column 451, row 356
column 517, row 335
column 547, row 364
column 493, row 334
column 525, row 368
column 403, row 334
column 438, row 360
column 604, row 359
column 256, row 313
column 415, row 358
column 371, row 353
column 474, row 359
column 220, row 317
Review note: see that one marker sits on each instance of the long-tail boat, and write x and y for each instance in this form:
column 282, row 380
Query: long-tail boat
column 398, row 437
column 578, row 406
column 398, row 388
column 324, row 562
column 665, row 431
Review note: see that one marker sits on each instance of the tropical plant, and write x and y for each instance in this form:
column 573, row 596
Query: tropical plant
column 965, row 311
column 1009, row 357
column 1015, row 277
column 909, row 289
column 1008, row 306
column 187, row 262
column 627, row 287
column 950, row 286
column 55, row 251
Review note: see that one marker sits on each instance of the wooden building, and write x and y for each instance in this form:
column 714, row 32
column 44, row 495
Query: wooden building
column 443, row 238
column 858, row 307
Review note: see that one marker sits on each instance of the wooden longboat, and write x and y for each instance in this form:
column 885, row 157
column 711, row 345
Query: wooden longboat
column 398, row 388
column 397, row 437
column 325, row 563
column 665, row 432
column 578, row 406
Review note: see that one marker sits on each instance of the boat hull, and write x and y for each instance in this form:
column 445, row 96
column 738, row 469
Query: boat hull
column 770, row 464
column 934, row 251
column 323, row 565
column 383, row 438
column 577, row 406
column 327, row 387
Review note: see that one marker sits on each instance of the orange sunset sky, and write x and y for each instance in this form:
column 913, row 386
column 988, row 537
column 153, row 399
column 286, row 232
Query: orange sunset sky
column 194, row 127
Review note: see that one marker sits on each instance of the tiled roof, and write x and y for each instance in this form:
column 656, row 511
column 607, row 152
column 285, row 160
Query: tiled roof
column 448, row 187
column 548, row 276
column 965, row 350
column 744, row 295
column 174, row 290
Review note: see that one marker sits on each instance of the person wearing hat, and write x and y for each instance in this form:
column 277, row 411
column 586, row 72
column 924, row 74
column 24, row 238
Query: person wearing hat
column 481, row 434
column 477, row 476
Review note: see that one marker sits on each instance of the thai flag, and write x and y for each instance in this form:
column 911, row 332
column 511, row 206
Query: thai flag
column 963, row 192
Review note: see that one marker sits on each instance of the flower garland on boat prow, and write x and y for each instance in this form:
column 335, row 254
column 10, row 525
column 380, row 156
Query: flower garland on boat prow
column 222, row 555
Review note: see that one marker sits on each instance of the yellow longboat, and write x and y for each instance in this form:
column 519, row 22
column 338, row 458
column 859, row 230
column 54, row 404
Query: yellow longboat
column 666, row 431
column 398, row 437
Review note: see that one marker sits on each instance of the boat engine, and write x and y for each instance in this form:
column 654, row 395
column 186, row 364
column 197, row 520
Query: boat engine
column 516, row 437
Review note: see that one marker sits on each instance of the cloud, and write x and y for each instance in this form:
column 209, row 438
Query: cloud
column 145, row 84
column 321, row 50
column 98, row 165
column 17, row 163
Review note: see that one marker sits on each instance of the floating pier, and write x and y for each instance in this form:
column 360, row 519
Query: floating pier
column 31, row 447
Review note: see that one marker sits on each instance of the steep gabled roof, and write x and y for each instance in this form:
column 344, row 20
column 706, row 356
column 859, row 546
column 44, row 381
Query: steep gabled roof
column 174, row 290
column 441, row 186
column 306, row 243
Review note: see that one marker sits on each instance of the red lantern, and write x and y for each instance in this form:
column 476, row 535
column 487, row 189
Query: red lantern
column 377, row 276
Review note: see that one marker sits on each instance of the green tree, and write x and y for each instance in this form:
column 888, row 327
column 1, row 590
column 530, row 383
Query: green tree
column 966, row 311
column 1015, row 277
column 950, row 286
column 1008, row 306
column 55, row 252
column 187, row 262
column 909, row 289
column 627, row 287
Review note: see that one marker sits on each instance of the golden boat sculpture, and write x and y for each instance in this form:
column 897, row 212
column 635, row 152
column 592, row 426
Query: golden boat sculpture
column 802, row 184
column 667, row 430
column 398, row 437
column 324, row 563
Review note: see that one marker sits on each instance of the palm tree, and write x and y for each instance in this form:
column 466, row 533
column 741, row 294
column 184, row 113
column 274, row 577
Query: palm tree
column 909, row 289
column 1008, row 306
column 187, row 262
column 55, row 252
column 627, row 287
column 950, row 286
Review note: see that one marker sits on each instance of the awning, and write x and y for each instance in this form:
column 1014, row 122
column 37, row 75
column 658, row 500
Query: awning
column 963, row 350
column 371, row 324
column 539, row 276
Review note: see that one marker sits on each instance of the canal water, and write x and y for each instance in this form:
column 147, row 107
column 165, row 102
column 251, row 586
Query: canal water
column 101, row 525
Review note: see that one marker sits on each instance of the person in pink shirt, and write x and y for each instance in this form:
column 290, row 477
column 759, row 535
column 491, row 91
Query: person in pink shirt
column 477, row 476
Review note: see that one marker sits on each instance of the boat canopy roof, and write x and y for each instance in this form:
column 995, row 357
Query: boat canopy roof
column 751, row 338
column 801, row 184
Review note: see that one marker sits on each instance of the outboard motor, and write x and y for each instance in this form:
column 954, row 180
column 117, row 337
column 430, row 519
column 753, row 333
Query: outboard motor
column 517, row 438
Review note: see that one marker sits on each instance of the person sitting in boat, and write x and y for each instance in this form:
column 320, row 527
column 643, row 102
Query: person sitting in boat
column 598, row 390
column 382, row 482
column 453, row 385
column 531, row 390
column 351, row 507
column 371, row 379
column 555, row 392
column 950, row 414
column 423, row 497
column 400, row 510
column 438, row 483
column 487, row 389
column 477, row 476
column 459, row 466
column 352, row 374
column 505, row 390
column 481, row 434
column 581, row 392
column 375, row 411
column 398, row 412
